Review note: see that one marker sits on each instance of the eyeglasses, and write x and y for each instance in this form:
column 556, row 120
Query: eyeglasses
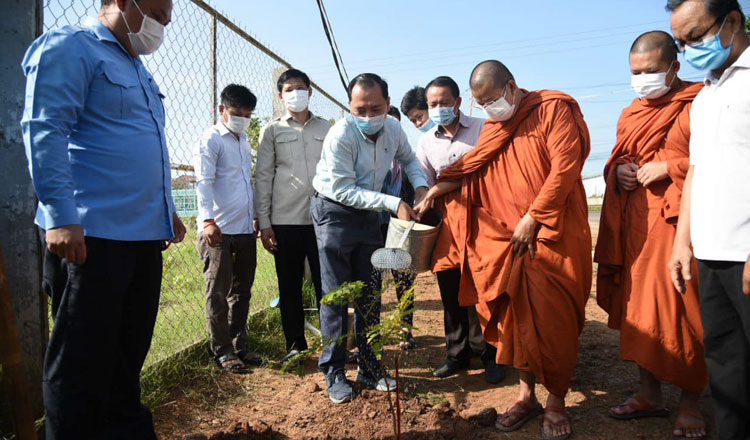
column 681, row 44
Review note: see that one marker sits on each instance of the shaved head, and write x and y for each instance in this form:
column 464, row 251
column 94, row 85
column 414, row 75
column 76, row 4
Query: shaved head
column 656, row 40
column 491, row 73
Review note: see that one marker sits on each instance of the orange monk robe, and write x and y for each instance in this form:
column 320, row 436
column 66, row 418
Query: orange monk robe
column 532, row 310
column 446, row 254
column 659, row 328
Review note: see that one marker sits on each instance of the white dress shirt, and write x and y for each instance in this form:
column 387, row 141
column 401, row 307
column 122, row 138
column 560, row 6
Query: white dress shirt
column 352, row 167
column 720, row 154
column 223, row 171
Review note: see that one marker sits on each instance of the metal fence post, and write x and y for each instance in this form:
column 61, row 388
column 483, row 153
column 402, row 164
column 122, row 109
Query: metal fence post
column 214, row 84
column 19, row 26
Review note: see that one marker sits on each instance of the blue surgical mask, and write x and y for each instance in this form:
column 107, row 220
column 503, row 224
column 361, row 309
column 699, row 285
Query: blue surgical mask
column 426, row 126
column 369, row 125
column 709, row 54
column 442, row 115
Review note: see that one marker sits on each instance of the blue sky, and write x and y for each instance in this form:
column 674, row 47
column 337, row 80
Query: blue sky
column 577, row 46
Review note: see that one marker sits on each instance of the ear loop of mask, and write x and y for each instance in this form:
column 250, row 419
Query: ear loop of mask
column 122, row 13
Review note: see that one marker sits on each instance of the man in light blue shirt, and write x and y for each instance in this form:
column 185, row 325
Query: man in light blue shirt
column 357, row 155
column 93, row 127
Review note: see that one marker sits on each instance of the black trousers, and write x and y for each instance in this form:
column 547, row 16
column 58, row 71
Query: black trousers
column 104, row 312
column 295, row 243
column 463, row 332
column 725, row 312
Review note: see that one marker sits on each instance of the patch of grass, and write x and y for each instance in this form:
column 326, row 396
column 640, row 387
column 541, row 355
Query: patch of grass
column 181, row 321
column 595, row 208
column 192, row 370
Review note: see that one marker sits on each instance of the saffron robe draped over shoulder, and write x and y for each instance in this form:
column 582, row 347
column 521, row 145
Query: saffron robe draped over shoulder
column 532, row 310
column 660, row 329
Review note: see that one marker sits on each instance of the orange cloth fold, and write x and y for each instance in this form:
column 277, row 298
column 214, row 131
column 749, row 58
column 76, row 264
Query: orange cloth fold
column 532, row 310
column 659, row 328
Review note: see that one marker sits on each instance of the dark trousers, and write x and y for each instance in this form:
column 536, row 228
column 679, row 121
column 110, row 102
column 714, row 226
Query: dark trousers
column 104, row 312
column 725, row 312
column 404, row 282
column 463, row 332
column 295, row 243
column 229, row 272
column 347, row 237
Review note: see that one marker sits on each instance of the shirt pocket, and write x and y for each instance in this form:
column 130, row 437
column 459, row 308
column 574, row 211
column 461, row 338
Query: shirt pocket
column 285, row 142
column 111, row 91
column 314, row 150
column 734, row 122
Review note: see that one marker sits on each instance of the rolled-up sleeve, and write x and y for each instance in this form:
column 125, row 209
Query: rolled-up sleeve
column 205, row 155
column 58, row 75
column 411, row 164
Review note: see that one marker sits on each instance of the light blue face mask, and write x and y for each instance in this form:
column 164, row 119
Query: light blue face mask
column 709, row 54
column 426, row 126
column 369, row 125
column 442, row 115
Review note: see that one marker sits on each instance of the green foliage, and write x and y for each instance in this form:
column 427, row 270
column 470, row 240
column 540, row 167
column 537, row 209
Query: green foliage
column 344, row 294
column 747, row 25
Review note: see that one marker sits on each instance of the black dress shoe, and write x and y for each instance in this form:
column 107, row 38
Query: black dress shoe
column 449, row 368
column 494, row 373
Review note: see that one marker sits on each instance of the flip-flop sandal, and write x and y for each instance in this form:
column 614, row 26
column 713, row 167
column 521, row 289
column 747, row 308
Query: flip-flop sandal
column 249, row 357
column 559, row 410
column 641, row 408
column 232, row 364
column 693, row 414
column 528, row 412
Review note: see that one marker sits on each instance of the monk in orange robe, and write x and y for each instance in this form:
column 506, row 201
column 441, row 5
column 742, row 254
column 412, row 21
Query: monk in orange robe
column 525, row 251
column 659, row 330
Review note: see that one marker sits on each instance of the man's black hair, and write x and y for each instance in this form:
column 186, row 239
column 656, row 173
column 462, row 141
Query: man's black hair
column 292, row 73
column 717, row 8
column 393, row 111
column 414, row 99
column 368, row 80
column 108, row 2
column 237, row 96
column 444, row 81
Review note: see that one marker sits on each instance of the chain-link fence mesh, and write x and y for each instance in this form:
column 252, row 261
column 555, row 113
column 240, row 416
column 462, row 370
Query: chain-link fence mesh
column 202, row 53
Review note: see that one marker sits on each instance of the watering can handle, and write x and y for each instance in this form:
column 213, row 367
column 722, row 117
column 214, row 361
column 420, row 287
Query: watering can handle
column 405, row 234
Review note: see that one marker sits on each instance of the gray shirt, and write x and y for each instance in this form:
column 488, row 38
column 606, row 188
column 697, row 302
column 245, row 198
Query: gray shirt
column 288, row 152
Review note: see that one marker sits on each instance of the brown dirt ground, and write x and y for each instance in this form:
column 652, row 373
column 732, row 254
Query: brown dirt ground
column 283, row 406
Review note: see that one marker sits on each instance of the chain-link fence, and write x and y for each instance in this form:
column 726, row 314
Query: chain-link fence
column 203, row 52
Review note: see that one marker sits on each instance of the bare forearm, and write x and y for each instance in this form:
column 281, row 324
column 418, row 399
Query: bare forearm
column 683, row 225
column 443, row 188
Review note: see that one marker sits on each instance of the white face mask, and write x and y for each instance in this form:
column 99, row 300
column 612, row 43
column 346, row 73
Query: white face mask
column 500, row 110
column 651, row 85
column 237, row 124
column 296, row 100
column 149, row 38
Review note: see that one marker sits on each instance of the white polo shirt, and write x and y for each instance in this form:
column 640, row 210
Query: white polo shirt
column 720, row 153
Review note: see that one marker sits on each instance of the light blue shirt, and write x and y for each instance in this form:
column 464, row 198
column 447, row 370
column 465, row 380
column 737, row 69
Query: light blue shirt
column 352, row 168
column 93, row 127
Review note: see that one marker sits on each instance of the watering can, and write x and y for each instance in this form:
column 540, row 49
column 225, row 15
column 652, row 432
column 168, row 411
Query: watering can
column 421, row 239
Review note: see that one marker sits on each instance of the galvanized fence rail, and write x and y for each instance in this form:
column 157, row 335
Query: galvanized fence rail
column 203, row 52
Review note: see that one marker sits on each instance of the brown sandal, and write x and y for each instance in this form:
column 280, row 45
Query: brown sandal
column 692, row 414
column 640, row 408
column 523, row 409
column 559, row 410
